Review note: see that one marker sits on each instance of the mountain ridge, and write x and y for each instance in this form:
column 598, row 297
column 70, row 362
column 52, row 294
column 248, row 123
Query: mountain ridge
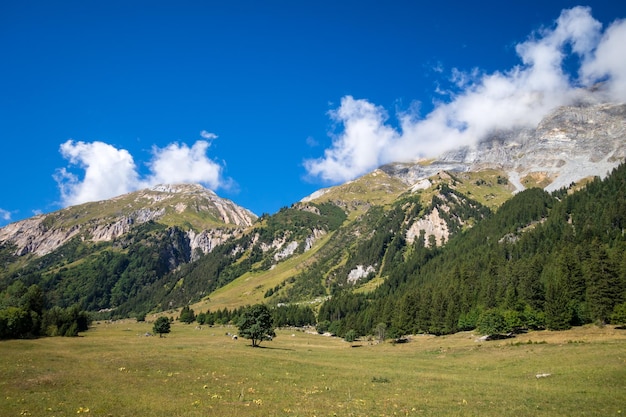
column 173, row 245
column 199, row 209
column 571, row 143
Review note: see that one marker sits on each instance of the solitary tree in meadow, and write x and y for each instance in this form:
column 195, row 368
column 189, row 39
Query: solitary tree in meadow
column 161, row 326
column 256, row 324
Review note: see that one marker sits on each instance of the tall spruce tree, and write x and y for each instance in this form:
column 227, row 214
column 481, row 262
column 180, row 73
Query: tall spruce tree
column 602, row 283
column 557, row 305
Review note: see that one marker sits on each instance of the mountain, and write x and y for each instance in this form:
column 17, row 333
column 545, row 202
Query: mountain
column 204, row 215
column 100, row 255
column 355, row 251
column 540, row 261
column 571, row 143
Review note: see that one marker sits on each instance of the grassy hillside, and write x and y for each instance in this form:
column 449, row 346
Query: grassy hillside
column 114, row 370
column 356, row 196
column 191, row 208
column 251, row 287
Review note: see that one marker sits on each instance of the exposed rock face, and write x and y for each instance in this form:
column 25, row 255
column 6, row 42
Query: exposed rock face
column 207, row 240
column 287, row 251
column 109, row 231
column 32, row 236
column 287, row 246
column 106, row 220
column 275, row 244
column 310, row 240
column 431, row 224
column 571, row 143
column 360, row 272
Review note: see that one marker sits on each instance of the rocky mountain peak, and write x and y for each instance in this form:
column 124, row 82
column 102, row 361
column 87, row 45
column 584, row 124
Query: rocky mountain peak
column 569, row 144
column 180, row 188
column 192, row 205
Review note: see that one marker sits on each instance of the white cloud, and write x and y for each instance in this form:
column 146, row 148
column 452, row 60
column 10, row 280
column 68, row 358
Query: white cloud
column 608, row 62
column 208, row 135
column 360, row 145
column 180, row 164
column 109, row 171
column 5, row 215
column 520, row 96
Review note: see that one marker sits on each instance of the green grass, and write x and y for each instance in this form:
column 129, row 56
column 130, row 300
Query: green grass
column 250, row 287
column 113, row 370
column 375, row 188
column 483, row 186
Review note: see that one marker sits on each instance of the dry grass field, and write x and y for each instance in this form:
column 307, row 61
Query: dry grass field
column 115, row 370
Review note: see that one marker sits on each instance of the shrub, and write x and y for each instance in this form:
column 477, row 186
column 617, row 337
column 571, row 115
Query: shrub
column 619, row 314
column 322, row 327
column 492, row 322
column 350, row 336
column 65, row 321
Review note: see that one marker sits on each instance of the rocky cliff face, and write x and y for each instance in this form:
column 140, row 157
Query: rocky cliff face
column 209, row 219
column 571, row 143
column 33, row 236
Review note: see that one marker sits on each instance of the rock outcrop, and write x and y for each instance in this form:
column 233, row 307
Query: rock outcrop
column 431, row 225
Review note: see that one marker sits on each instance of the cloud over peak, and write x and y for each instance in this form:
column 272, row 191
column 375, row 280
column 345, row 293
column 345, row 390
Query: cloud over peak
column 109, row 171
column 178, row 163
column 518, row 97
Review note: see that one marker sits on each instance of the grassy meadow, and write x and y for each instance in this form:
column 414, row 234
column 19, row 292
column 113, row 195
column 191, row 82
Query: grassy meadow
column 115, row 370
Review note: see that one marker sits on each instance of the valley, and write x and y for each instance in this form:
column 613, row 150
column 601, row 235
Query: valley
column 115, row 370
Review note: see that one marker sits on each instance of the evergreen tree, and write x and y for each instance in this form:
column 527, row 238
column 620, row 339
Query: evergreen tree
column 557, row 304
column 619, row 314
column 187, row 315
column 531, row 289
column 161, row 326
column 602, row 283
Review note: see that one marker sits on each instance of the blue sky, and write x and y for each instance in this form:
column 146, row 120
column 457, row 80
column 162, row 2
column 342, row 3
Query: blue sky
column 266, row 102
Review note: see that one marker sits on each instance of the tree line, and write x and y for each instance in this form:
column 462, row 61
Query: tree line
column 282, row 316
column 23, row 315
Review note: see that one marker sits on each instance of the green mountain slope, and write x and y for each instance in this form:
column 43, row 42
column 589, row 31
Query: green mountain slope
column 356, row 252
column 540, row 260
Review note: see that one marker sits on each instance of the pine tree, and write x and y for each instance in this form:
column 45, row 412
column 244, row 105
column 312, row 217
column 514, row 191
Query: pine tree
column 602, row 283
column 530, row 287
column 557, row 305
column 187, row 315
